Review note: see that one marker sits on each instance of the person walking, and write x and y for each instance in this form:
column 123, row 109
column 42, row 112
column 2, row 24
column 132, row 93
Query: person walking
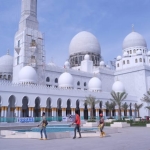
column 77, row 124
column 101, row 125
column 42, row 126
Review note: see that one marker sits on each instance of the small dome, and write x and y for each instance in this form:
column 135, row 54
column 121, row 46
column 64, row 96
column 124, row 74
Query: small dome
column 67, row 64
column 84, row 42
column 139, row 52
column 102, row 63
column 28, row 75
column 148, row 53
column 65, row 80
column 95, row 84
column 134, row 39
column 119, row 58
column 6, row 63
column 108, row 66
column 125, row 54
column 86, row 57
column 118, row 87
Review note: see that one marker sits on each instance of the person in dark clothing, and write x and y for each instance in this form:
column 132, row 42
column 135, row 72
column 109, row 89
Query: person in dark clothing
column 101, row 125
column 77, row 125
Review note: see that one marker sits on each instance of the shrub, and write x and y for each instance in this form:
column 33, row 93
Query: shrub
column 91, row 120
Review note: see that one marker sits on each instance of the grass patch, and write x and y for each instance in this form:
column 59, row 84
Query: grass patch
column 131, row 122
column 91, row 120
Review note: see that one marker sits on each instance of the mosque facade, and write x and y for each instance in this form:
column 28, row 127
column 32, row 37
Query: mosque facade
column 29, row 86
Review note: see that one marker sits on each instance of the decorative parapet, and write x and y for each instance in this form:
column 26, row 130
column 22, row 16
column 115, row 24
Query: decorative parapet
column 39, row 86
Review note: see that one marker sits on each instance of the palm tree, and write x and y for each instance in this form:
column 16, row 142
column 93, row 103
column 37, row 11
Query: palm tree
column 137, row 108
column 91, row 101
column 146, row 99
column 110, row 107
column 118, row 98
column 125, row 107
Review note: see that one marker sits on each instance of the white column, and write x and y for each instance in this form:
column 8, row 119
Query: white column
column 54, row 112
column 3, row 112
column 97, row 112
column 89, row 112
column 30, row 112
column 116, row 111
column 72, row 111
column 64, row 112
column 81, row 113
column 104, row 113
column 19, row 111
column 128, row 112
column 41, row 111
column 122, row 113
column 16, row 112
column 133, row 113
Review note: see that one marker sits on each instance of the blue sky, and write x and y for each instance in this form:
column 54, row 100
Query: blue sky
column 109, row 20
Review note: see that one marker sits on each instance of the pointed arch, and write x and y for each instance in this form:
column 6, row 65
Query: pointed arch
column 59, row 109
column 37, row 108
column 68, row 109
column 11, row 107
column 25, row 109
column 100, row 107
column 130, row 109
column 85, row 111
column 78, row 106
column 48, row 107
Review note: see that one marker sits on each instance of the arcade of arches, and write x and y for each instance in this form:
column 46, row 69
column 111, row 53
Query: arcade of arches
column 12, row 111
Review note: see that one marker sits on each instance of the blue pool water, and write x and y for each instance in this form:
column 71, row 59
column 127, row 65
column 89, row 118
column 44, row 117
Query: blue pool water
column 59, row 125
column 58, row 128
column 63, row 129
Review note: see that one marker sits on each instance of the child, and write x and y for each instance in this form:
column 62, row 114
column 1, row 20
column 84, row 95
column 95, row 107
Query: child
column 101, row 125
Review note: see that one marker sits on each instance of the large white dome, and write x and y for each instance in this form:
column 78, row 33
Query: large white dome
column 95, row 84
column 6, row 63
column 27, row 75
column 118, row 87
column 134, row 39
column 84, row 42
column 65, row 80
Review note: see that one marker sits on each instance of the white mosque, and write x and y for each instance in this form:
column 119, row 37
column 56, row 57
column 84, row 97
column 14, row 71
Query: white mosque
column 29, row 86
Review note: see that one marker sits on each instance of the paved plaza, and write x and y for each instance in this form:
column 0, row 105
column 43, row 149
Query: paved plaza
column 132, row 138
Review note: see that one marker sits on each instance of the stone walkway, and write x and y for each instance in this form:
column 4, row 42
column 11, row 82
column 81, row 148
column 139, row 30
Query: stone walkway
column 132, row 138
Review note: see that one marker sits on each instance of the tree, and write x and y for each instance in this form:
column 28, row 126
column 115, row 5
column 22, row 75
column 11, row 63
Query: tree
column 91, row 101
column 137, row 108
column 118, row 98
column 147, row 107
column 146, row 99
column 110, row 107
column 125, row 107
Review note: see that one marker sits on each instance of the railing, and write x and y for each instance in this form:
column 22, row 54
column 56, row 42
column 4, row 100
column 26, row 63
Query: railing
column 38, row 119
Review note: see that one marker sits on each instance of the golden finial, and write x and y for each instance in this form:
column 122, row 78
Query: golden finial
column 8, row 52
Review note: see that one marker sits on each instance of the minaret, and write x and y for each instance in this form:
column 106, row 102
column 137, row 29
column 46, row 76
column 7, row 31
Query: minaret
column 28, row 43
column 28, row 15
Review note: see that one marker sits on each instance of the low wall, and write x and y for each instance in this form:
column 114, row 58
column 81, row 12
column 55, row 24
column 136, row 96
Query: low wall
column 55, row 135
column 120, row 124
